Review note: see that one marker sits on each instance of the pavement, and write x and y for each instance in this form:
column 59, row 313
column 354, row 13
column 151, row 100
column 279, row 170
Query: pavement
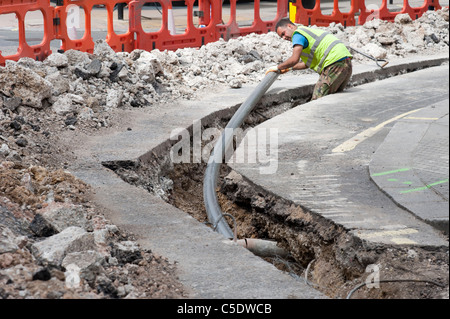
column 411, row 165
column 341, row 155
column 340, row 186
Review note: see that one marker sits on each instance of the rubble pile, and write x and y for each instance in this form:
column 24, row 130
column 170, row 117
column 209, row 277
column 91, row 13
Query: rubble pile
column 48, row 230
column 54, row 244
column 82, row 87
column 382, row 39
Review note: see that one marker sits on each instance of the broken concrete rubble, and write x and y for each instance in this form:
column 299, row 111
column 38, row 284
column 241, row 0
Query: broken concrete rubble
column 145, row 78
column 90, row 264
column 52, row 250
column 57, row 60
column 58, row 217
column 126, row 252
column 75, row 252
column 7, row 243
column 19, row 82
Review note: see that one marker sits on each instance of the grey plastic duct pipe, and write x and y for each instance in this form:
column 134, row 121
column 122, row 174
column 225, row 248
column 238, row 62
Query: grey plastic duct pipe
column 213, row 210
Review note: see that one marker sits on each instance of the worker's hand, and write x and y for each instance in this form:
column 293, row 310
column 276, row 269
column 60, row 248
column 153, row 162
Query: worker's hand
column 285, row 70
column 273, row 69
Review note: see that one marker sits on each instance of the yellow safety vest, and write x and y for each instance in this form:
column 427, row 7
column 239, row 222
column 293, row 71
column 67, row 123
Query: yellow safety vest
column 323, row 49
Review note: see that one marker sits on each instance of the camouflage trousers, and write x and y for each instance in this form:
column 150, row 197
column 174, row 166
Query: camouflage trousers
column 334, row 78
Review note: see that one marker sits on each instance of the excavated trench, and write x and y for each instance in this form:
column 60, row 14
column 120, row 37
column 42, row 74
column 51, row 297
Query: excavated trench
column 321, row 253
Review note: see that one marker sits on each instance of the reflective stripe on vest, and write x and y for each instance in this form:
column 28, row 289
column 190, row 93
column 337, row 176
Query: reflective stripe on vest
column 330, row 47
column 317, row 40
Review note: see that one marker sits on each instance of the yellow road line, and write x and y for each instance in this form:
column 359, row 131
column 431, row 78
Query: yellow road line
column 390, row 233
column 403, row 241
column 361, row 137
column 422, row 118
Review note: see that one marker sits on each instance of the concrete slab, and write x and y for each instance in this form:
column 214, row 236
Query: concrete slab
column 334, row 182
column 422, row 186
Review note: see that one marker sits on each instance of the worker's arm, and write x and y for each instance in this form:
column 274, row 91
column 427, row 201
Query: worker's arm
column 293, row 61
column 290, row 64
column 299, row 66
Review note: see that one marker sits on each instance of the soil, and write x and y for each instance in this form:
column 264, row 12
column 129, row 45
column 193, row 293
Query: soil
column 325, row 255
column 36, row 178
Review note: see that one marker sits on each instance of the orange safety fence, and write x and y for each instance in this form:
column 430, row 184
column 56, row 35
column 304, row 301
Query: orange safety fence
column 210, row 25
column 164, row 39
column 20, row 8
column 59, row 22
column 373, row 12
column 315, row 16
column 118, row 42
column 233, row 30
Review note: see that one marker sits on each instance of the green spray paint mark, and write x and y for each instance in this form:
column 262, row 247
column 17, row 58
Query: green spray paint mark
column 407, row 183
column 392, row 172
column 392, row 179
column 425, row 187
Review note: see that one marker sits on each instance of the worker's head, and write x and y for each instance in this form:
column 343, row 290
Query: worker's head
column 285, row 28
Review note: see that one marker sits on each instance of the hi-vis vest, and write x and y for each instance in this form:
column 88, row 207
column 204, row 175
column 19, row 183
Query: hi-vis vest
column 323, row 49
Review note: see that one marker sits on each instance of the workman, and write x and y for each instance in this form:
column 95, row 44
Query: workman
column 318, row 50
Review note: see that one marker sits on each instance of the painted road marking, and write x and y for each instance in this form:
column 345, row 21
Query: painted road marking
column 364, row 135
column 396, row 180
column 403, row 241
column 424, row 187
column 390, row 233
column 408, row 182
column 422, row 118
column 392, row 172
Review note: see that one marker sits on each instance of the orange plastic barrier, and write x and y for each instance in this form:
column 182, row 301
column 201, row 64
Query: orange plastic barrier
column 210, row 26
column 384, row 13
column 232, row 29
column 122, row 42
column 193, row 36
column 20, row 8
column 315, row 17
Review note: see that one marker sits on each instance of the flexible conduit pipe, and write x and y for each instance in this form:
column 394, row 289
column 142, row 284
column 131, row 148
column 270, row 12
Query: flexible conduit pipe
column 213, row 209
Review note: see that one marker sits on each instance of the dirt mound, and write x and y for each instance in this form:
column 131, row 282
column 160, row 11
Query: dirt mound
column 38, row 205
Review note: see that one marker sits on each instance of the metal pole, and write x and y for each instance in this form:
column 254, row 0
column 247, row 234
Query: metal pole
column 120, row 7
column 213, row 209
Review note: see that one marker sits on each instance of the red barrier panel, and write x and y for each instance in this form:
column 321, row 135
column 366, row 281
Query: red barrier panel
column 209, row 29
column 315, row 17
column 122, row 42
column 383, row 12
column 193, row 36
column 232, row 29
column 20, row 8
